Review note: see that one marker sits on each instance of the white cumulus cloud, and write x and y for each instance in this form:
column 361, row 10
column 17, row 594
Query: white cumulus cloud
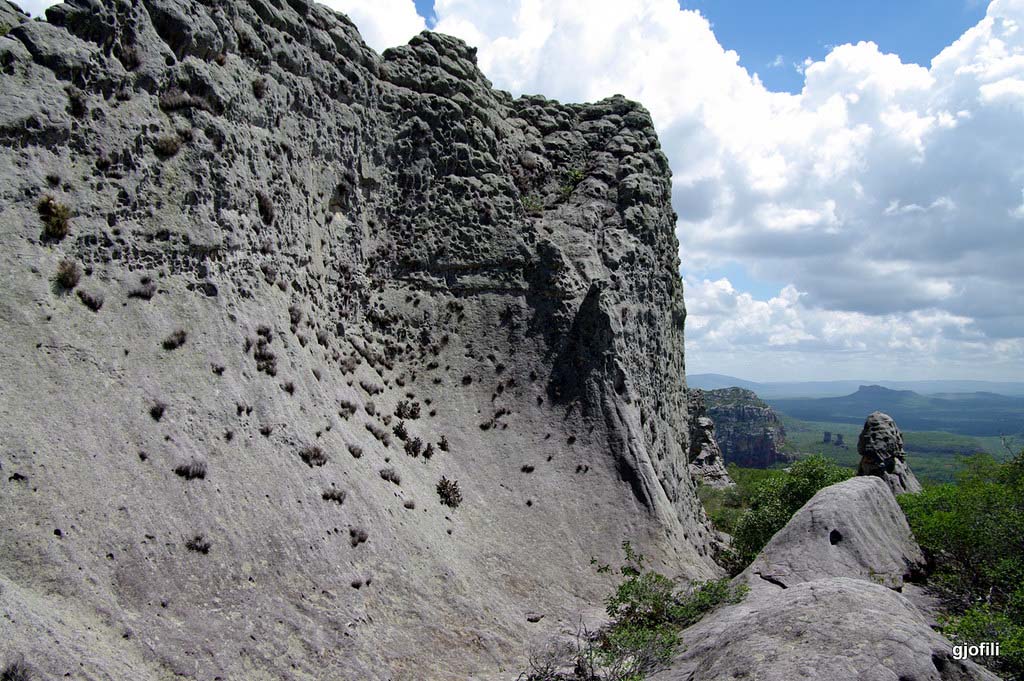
column 888, row 194
column 382, row 23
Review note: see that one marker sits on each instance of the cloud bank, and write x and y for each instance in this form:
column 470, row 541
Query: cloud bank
column 888, row 196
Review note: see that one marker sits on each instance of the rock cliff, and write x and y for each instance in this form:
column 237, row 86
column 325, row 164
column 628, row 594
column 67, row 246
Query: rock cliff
column 747, row 429
column 321, row 363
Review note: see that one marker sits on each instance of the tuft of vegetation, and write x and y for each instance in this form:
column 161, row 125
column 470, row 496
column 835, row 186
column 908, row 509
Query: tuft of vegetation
column 533, row 205
column 400, row 431
column 572, row 179
column 972, row 531
column 383, row 436
column 17, row 670
column 77, row 105
column 357, row 535
column 774, row 501
column 334, row 494
column 313, row 456
column 443, row 444
column 193, row 470
column 449, row 491
column 69, row 273
column 647, row 611
column 413, row 447
column 56, row 218
column 167, row 146
column 145, row 290
column 259, row 87
column 175, row 340
column 391, row 475
column 266, row 207
column 355, row 450
column 156, row 411
column 93, row 301
column 407, row 410
column 199, row 544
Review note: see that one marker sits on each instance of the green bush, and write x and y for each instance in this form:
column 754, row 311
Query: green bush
column 773, row 502
column 972, row 531
column 647, row 612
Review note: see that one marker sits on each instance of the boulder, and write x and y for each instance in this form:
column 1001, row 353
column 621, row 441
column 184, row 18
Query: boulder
column 852, row 529
column 880, row 447
column 825, row 603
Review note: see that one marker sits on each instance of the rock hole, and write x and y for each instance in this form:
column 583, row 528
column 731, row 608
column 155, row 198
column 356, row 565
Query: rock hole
column 834, row 537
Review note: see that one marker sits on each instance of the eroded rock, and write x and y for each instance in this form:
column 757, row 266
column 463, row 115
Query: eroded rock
column 880, row 447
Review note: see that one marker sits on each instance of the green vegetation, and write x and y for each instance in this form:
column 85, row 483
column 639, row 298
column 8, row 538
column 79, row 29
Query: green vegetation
column 647, row 612
column 764, row 501
column 56, row 218
column 973, row 531
column 571, row 180
column 934, row 456
column 533, row 205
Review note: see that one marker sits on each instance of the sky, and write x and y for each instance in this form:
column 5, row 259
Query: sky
column 849, row 177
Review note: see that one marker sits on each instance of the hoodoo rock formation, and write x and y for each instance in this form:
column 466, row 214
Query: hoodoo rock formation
column 707, row 465
column 880, row 447
column 320, row 363
column 747, row 429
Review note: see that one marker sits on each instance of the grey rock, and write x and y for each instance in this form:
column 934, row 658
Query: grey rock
column 825, row 602
column 747, row 429
column 337, row 233
column 706, row 462
column 836, row 628
column 852, row 529
column 880, row 447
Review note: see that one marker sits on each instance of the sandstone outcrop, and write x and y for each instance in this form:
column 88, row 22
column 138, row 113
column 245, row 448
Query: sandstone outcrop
column 707, row 465
column 747, row 429
column 880, row 447
column 824, row 603
column 321, row 363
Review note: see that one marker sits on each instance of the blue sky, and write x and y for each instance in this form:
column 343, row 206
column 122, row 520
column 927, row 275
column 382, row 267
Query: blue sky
column 762, row 32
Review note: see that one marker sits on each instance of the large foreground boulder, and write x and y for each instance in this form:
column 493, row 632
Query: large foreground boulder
column 880, row 446
column 824, row 603
column 839, row 629
column 852, row 529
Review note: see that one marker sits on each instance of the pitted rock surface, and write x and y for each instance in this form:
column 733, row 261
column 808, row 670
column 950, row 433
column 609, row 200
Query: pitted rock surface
column 747, row 429
column 313, row 280
column 880, row 447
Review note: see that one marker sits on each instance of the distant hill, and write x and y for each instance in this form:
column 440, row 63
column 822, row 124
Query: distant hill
column 977, row 413
column 780, row 389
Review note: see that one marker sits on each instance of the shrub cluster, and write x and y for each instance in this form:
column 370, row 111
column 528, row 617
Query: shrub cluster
column 972, row 531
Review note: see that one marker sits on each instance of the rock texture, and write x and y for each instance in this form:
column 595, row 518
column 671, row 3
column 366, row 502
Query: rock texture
column 852, row 529
column 748, row 430
column 824, row 603
column 707, row 465
column 880, row 447
column 274, row 305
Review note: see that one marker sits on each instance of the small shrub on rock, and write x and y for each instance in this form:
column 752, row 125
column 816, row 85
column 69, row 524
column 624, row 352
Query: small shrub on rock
column 313, row 456
column 68, row 274
column 449, row 492
column 193, row 470
column 56, row 218
column 92, row 300
column 199, row 544
column 334, row 494
column 391, row 475
column 175, row 340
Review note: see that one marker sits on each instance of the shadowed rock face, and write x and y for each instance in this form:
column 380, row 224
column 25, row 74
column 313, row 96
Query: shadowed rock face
column 706, row 462
column 313, row 281
column 825, row 602
column 880, row 446
column 747, row 429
